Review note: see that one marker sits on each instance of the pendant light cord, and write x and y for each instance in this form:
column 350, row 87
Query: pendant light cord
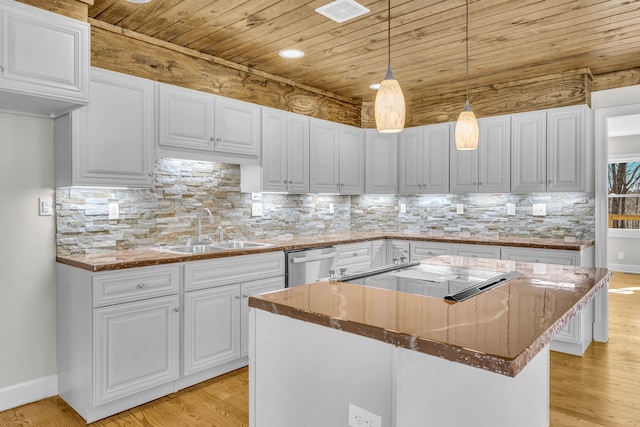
column 389, row 34
column 467, row 46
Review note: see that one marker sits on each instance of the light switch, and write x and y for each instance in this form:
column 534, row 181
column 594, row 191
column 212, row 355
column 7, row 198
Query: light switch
column 330, row 208
column 114, row 210
column 511, row 209
column 403, row 208
column 45, row 206
column 460, row 209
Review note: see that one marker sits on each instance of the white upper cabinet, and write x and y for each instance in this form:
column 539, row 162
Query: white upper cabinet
column 200, row 126
column 424, row 160
column 381, row 162
column 568, row 149
column 336, row 158
column 529, row 152
column 486, row 169
column 108, row 143
column 44, row 61
column 285, row 155
column 552, row 150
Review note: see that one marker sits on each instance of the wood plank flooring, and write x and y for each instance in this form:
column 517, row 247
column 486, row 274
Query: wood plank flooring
column 600, row 389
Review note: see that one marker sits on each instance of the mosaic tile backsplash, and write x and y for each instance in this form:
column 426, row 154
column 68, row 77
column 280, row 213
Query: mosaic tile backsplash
column 168, row 212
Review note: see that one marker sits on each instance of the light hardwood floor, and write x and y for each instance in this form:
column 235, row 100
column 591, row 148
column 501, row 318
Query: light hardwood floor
column 600, row 389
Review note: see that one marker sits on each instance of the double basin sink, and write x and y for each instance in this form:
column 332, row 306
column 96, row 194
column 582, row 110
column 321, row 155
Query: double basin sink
column 213, row 247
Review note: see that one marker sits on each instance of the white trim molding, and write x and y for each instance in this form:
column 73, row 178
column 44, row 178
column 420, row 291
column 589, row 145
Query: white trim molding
column 625, row 268
column 27, row 392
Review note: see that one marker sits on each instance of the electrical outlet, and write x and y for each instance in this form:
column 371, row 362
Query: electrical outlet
column 460, row 209
column 620, row 255
column 539, row 209
column 511, row 209
column 359, row 417
column 403, row 208
column 114, row 210
column 256, row 209
column 330, row 208
column 45, row 206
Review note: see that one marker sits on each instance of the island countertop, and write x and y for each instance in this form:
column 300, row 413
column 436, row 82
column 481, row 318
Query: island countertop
column 500, row 330
column 115, row 260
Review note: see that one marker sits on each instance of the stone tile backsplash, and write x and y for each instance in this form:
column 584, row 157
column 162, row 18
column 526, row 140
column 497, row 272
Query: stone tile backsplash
column 168, row 212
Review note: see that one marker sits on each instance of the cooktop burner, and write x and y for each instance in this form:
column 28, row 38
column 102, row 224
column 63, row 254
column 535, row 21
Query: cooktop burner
column 439, row 281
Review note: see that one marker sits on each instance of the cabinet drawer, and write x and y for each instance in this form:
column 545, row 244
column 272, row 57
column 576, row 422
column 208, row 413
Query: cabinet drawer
column 423, row 250
column 135, row 284
column 546, row 256
column 236, row 269
column 476, row 251
column 356, row 256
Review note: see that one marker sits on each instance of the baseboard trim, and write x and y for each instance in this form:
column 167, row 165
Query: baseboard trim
column 27, row 392
column 625, row 268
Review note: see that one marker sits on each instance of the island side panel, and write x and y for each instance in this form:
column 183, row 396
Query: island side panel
column 447, row 393
column 305, row 374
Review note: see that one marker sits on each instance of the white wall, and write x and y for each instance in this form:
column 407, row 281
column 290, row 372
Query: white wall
column 27, row 255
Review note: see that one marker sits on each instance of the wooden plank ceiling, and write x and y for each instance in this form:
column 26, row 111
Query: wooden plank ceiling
column 508, row 39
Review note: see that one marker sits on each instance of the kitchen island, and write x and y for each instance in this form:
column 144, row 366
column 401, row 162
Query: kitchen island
column 319, row 349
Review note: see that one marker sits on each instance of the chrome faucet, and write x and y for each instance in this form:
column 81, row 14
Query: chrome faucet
column 208, row 212
column 220, row 234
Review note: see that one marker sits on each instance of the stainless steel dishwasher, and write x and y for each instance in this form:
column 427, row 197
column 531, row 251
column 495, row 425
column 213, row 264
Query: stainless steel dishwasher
column 309, row 265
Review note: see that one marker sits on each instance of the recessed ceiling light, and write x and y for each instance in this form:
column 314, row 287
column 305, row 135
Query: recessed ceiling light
column 138, row 1
column 374, row 86
column 291, row 53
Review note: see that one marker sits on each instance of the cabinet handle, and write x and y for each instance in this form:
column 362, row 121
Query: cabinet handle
column 1, row 68
column 237, row 296
column 245, row 295
column 542, row 181
column 176, row 309
column 549, row 182
column 355, row 254
column 218, row 139
column 140, row 285
column 151, row 173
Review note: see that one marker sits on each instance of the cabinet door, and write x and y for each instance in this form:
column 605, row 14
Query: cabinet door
column 211, row 327
column 397, row 249
column 43, row 53
column 529, row 152
column 237, row 127
column 545, row 256
column 351, row 141
column 274, row 150
column 379, row 253
column 463, row 172
column 566, row 142
column 410, row 161
column 254, row 288
column 185, row 118
column 112, row 137
column 136, row 347
column 435, row 158
column 354, row 256
column 298, row 153
column 324, row 157
column 382, row 162
column 494, row 155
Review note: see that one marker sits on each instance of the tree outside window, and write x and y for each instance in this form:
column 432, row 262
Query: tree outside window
column 624, row 195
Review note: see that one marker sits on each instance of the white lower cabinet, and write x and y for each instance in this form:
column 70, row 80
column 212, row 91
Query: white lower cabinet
column 215, row 329
column 397, row 249
column 135, row 347
column 121, row 338
column 118, row 337
column 422, row 250
column 476, row 251
column 578, row 334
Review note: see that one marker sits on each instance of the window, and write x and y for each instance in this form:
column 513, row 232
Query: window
column 624, row 194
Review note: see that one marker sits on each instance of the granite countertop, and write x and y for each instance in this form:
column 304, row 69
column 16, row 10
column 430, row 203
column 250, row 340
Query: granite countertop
column 500, row 330
column 116, row 260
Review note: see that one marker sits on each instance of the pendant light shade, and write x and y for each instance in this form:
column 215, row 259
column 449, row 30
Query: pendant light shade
column 467, row 134
column 389, row 104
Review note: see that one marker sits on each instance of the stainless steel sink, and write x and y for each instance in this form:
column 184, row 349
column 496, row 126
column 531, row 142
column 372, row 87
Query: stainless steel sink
column 213, row 247
column 241, row 245
column 193, row 249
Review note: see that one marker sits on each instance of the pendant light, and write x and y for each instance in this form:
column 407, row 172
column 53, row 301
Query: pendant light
column 389, row 105
column 467, row 126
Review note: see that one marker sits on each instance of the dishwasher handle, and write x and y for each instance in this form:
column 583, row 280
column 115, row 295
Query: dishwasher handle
column 312, row 258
